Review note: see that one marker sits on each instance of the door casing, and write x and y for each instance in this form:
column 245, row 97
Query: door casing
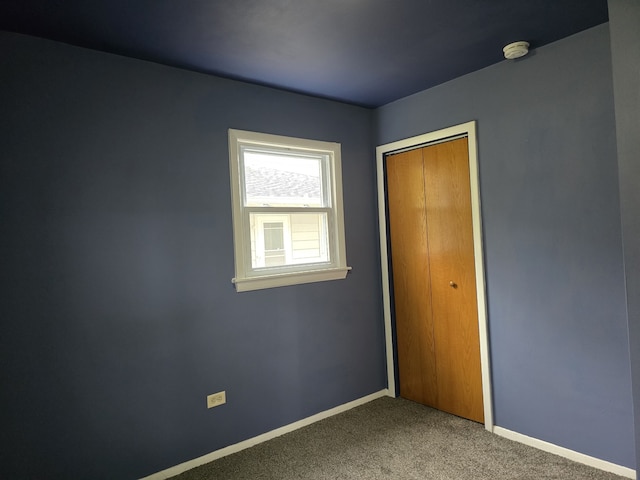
column 469, row 130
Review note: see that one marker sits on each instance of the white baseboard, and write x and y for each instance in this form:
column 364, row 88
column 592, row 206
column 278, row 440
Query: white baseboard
column 223, row 452
column 566, row 453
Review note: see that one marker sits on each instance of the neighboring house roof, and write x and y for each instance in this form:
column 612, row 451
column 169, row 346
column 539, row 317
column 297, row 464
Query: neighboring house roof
column 265, row 182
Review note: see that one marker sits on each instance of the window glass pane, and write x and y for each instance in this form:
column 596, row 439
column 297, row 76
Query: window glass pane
column 280, row 180
column 289, row 239
column 273, row 236
column 274, row 253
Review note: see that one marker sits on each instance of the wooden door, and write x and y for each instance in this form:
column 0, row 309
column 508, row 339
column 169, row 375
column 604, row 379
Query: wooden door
column 434, row 286
column 411, row 285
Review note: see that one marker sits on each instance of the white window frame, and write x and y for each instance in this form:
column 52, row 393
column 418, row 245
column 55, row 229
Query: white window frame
column 248, row 278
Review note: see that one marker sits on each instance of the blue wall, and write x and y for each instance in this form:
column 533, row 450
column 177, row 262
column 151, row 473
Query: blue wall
column 118, row 313
column 625, row 50
column 118, row 316
column 552, row 237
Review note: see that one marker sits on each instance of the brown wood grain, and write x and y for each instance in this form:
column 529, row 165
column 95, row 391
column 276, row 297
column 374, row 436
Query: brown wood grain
column 410, row 265
column 455, row 311
column 430, row 224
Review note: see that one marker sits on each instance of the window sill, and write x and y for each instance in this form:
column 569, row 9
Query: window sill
column 285, row 279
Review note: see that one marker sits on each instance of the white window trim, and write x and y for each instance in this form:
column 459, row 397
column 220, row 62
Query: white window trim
column 246, row 278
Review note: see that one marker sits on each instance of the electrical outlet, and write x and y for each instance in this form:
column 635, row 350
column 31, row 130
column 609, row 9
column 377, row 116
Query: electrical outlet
column 216, row 399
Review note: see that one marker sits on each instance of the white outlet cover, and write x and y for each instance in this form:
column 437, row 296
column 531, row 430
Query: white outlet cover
column 216, row 399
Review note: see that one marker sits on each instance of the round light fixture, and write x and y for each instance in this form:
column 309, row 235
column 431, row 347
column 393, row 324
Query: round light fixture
column 516, row 50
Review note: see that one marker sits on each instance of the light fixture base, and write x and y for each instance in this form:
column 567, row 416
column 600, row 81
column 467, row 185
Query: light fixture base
column 516, row 50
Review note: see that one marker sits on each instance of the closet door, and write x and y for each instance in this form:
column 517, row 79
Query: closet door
column 453, row 278
column 411, row 285
column 434, row 277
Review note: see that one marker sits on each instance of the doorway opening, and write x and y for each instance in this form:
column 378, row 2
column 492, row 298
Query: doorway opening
column 468, row 131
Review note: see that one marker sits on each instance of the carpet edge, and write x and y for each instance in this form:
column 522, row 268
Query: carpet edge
column 250, row 442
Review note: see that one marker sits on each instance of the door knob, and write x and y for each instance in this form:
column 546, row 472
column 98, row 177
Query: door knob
column 453, row 284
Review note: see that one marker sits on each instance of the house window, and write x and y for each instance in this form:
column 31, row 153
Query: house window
column 287, row 210
column 274, row 254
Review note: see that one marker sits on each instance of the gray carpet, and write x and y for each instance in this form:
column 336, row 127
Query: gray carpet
column 392, row 439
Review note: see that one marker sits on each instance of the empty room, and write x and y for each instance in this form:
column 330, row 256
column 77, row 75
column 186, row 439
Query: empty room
column 319, row 239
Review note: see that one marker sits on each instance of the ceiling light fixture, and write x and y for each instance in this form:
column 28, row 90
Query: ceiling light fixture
column 516, row 50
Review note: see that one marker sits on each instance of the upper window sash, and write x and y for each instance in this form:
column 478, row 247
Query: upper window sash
column 318, row 164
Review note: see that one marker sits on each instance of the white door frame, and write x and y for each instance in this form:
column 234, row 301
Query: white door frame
column 469, row 130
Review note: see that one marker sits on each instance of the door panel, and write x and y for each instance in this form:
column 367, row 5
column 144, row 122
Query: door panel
column 453, row 284
column 434, row 285
column 409, row 251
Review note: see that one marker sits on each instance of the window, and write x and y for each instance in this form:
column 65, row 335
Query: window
column 288, row 223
